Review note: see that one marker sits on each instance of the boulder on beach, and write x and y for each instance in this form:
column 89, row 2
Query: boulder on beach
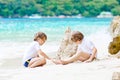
column 115, row 27
column 116, row 76
column 114, row 46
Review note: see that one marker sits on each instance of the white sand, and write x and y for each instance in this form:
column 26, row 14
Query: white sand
column 11, row 67
column 96, row 70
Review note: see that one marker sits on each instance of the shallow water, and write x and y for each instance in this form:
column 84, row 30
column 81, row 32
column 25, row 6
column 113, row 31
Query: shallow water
column 23, row 30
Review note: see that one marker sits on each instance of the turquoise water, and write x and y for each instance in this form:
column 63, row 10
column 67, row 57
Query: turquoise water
column 23, row 30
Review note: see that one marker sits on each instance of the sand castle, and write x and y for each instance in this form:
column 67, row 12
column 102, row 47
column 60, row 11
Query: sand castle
column 67, row 47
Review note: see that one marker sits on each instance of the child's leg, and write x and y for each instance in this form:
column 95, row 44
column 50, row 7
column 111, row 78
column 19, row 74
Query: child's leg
column 35, row 62
column 84, row 56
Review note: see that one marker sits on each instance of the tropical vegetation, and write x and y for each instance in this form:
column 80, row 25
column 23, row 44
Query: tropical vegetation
column 86, row 8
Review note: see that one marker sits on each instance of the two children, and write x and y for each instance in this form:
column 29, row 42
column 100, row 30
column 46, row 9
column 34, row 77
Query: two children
column 35, row 57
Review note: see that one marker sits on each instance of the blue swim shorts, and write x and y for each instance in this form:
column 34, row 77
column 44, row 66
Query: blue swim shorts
column 27, row 62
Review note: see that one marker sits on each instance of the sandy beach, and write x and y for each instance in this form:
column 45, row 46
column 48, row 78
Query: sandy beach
column 97, row 20
column 11, row 67
column 96, row 70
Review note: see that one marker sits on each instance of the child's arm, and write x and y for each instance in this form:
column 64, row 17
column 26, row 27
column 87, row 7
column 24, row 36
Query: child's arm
column 94, row 51
column 40, row 52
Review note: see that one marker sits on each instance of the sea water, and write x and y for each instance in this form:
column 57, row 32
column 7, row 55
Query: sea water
column 16, row 34
column 22, row 30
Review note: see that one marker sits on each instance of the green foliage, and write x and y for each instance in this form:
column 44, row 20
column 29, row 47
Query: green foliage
column 108, row 5
column 116, row 10
column 118, row 1
column 87, row 8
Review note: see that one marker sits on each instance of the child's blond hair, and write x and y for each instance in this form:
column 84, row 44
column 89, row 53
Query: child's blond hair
column 77, row 36
column 40, row 35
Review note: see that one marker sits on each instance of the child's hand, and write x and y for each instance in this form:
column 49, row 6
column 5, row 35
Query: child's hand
column 59, row 61
column 56, row 61
column 89, row 60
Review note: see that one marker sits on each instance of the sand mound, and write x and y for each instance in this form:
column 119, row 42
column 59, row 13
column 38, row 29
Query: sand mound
column 67, row 47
